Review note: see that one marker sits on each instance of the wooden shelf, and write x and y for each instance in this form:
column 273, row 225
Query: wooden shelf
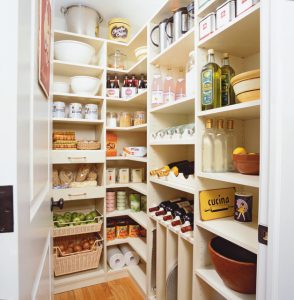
column 138, row 187
column 240, row 37
column 72, row 69
column 129, row 158
column 183, row 106
column 70, row 97
column 140, row 217
column 236, row 178
column 77, row 121
column 141, row 128
column 242, row 234
column 77, row 156
column 242, row 111
column 210, row 276
column 176, row 55
column 140, row 67
column 136, row 243
column 139, row 100
column 170, row 143
column 183, row 188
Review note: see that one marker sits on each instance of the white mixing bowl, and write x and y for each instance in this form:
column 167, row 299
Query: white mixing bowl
column 85, row 85
column 73, row 51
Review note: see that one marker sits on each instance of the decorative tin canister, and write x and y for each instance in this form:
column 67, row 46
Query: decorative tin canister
column 119, row 30
column 243, row 207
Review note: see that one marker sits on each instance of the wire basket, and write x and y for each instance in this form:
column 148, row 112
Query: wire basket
column 67, row 263
column 88, row 145
column 71, row 228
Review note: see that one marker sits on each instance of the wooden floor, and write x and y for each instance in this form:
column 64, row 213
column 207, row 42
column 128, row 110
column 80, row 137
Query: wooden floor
column 120, row 289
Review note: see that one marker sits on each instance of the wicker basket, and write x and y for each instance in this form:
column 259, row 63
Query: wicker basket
column 79, row 229
column 88, row 145
column 78, row 261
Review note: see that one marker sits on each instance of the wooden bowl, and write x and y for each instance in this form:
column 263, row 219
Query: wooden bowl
column 235, row 265
column 247, row 163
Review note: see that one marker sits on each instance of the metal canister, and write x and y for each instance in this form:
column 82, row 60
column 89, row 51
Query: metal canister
column 243, row 207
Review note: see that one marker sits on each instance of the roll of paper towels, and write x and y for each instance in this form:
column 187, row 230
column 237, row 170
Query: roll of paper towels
column 115, row 258
column 131, row 257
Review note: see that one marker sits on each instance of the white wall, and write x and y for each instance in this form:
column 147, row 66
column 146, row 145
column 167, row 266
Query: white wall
column 8, row 144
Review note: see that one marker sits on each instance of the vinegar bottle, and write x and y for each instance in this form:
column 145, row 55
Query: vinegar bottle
column 220, row 148
column 208, row 147
column 157, row 89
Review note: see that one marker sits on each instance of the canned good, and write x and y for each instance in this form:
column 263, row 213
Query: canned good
column 119, row 30
column 207, row 25
column 135, row 202
column 243, row 207
column 225, row 13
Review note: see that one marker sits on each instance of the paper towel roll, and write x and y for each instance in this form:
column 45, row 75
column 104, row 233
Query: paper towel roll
column 131, row 257
column 115, row 258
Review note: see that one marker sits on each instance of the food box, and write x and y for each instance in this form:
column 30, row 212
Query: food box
column 225, row 13
column 207, row 25
column 123, row 175
column 243, row 5
column 111, row 144
column 110, row 176
column 137, row 175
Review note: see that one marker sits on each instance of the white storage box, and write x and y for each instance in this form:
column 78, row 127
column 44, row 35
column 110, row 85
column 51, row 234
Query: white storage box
column 123, row 175
column 134, row 151
column 225, row 13
column 110, row 176
column 128, row 92
column 243, row 5
column 207, row 25
column 137, row 175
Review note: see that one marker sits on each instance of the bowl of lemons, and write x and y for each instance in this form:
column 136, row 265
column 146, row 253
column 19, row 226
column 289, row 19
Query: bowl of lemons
column 246, row 163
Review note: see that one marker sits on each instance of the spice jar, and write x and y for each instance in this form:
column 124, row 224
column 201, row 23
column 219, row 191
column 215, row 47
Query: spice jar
column 125, row 119
column 139, row 118
column 111, row 119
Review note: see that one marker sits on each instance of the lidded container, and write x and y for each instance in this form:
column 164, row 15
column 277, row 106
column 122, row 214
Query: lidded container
column 225, row 13
column 119, row 30
column 82, row 19
column 117, row 60
column 111, row 119
column 207, row 25
column 125, row 119
column 139, row 118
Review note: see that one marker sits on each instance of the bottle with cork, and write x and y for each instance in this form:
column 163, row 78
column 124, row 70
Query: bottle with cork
column 220, row 148
column 208, row 147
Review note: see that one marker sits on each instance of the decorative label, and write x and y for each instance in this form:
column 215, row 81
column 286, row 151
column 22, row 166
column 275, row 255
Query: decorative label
column 243, row 207
column 128, row 92
column 157, row 97
column 112, row 93
column 207, row 87
column 215, row 204
column 119, row 32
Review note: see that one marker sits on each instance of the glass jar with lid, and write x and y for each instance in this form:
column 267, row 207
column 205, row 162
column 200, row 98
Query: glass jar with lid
column 125, row 119
column 117, row 60
column 111, row 119
column 139, row 118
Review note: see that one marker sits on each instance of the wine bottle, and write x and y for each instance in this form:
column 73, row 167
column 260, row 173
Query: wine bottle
column 189, row 223
column 166, row 203
column 170, row 210
column 180, row 213
column 171, row 206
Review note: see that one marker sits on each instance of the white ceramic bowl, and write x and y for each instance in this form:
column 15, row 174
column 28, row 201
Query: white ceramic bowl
column 60, row 87
column 73, row 51
column 141, row 52
column 85, row 85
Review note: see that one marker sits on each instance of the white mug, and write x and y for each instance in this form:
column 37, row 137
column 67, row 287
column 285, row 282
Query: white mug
column 91, row 111
column 58, row 109
column 75, row 111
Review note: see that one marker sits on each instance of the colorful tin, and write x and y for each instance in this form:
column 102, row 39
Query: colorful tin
column 243, row 207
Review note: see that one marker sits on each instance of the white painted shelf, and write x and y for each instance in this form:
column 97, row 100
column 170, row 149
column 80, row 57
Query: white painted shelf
column 77, row 121
column 240, row 37
column 138, row 187
column 73, row 69
column 137, row 244
column 176, row 55
column 90, row 192
column 175, row 142
column 241, row 111
column 142, row 128
column 140, row 67
column 128, row 158
column 70, row 97
column 139, row 276
column 173, row 185
column 210, row 276
column 242, row 234
column 183, row 106
column 140, row 217
column 77, row 156
column 236, row 178
column 139, row 100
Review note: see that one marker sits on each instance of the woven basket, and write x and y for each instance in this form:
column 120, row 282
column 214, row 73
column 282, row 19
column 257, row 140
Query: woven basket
column 88, row 145
column 78, row 261
column 79, row 229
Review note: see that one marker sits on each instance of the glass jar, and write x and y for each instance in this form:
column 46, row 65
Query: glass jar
column 125, row 119
column 111, row 119
column 117, row 60
column 139, row 118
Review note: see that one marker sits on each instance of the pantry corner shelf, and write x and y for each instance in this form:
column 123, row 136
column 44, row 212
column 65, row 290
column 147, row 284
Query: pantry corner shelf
column 241, row 111
column 82, row 98
column 74, row 69
column 139, row 276
column 138, row 187
column 173, row 185
column 210, row 276
column 77, row 156
column 182, row 106
column 140, row 67
column 129, row 158
column 137, row 128
column 242, row 234
column 239, row 37
column 77, row 121
column 138, row 100
column 180, row 50
column 140, row 217
column 232, row 177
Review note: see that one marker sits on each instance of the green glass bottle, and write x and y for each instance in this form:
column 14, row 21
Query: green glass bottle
column 210, row 83
column 228, row 95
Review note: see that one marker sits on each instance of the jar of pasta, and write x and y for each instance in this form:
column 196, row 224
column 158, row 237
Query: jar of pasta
column 125, row 119
column 139, row 118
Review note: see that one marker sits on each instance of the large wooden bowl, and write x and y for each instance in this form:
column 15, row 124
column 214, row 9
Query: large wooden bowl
column 247, row 163
column 235, row 265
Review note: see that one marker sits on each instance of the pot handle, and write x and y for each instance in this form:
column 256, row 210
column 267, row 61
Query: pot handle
column 151, row 33
column 170, row 20
column 63, row 10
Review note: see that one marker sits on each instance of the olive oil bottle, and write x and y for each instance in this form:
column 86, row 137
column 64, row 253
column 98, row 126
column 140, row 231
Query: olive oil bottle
column 227, row 93
column 210, row 83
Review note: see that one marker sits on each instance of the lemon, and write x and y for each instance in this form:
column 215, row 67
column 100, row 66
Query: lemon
column 240, row 150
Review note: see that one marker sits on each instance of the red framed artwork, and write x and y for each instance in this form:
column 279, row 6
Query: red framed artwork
column 44, row 45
